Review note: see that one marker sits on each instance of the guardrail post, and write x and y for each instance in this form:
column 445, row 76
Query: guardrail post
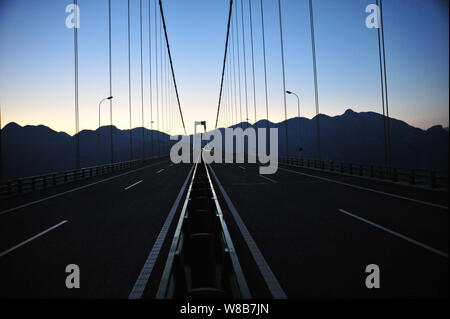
column 307, row 163
column 350, row 167
column 65, row 177
column 342, row 168
column 54, row 179
column 381, row 172
column 412, row 180
column 394, row 175
column 361, row 170
column 433, row 179
column 44, row 182
column 9, row 188
column 371, row 171
column 33, row 183
column 19, row 186
column 331, row 166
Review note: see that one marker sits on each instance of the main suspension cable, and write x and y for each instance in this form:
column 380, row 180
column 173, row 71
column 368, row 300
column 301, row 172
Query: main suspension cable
column 171, row 65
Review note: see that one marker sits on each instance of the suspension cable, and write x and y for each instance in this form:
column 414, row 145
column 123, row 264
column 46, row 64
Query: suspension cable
column 284, row 77
column 265, row 64
column 142, row 83
column 316, row 90
column 77, row 119
column 110, row 82
column 150, row 74
column 245, row 63
column 171, row 65
column 386, row 87
column 382, row 88
column 239, row 64
column 253, row 56
column 129, row 80
column 224, row 62
column 156, row 78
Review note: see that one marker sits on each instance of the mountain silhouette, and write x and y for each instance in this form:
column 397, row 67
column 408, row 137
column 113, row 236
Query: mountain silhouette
column 350, row 137
column 358, row 138
column 34, row 150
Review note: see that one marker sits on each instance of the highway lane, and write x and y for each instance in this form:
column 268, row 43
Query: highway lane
column 316, row 250
column 110, row 230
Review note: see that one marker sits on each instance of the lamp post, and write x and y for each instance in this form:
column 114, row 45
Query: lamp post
column 99, row 123
column 298, row 109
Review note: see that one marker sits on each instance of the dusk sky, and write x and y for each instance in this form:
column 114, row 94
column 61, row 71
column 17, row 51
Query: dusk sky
column 37, row 76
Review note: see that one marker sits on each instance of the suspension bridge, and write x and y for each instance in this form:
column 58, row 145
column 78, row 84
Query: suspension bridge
column 145, row 227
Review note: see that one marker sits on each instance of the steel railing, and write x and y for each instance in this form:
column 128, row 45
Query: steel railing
column 418, row 177
column 29, row 184
column 202, row 262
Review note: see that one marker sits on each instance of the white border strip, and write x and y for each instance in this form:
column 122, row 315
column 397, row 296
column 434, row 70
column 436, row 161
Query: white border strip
column 415, row 242
column 271, row 281
column 76, row 189
column 368, row 189
column 146, row 271
column 32, row 238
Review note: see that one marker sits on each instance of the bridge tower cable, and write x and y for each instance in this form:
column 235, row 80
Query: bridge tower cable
column 157, row 79
column 142, row 80
column 265, row 68
column 77, row 119
column 230, row 122
column 110, row 82
column 238, row 51
column 234, row 75
column 150, row 75
column 380, row 55
column 316, row 90
column 129, row 81
column 171, row 65
column 245, row 62
column 386, row 88
column 284, row 76
column 224, row 61
column 161, row 79
column 253, row 56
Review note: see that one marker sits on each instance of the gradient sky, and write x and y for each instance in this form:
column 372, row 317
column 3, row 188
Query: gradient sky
column 36, row 60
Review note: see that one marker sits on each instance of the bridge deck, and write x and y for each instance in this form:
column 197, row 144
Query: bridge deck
column 313, row 232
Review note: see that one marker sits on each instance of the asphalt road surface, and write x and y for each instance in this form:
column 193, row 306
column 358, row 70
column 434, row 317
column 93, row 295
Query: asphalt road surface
column 107, row 229
column 318, row 232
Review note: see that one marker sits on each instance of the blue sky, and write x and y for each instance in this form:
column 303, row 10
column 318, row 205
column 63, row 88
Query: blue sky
column 36, row 60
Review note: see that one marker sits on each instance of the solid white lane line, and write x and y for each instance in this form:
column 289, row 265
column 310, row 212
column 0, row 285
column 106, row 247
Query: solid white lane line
column 269, row 277
column 160, row 171
column 242, row 167
column 269, row 179
column 413, row 241
column 127, row 188
column 76, row 189
column 146, row 271
column 32, row 238
column 368, row 189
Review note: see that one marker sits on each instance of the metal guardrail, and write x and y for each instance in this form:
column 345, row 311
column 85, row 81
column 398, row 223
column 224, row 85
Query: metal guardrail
column 418, row 177
column 29, row 184
column 202, row 262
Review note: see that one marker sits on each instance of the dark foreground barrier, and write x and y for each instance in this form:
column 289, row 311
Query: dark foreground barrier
column 202, row 262
column 419, row 177
column 29, row 184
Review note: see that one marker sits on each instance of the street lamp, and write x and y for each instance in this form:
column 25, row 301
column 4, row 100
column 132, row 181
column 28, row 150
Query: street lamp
column 99, row 123
column 298, row 108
